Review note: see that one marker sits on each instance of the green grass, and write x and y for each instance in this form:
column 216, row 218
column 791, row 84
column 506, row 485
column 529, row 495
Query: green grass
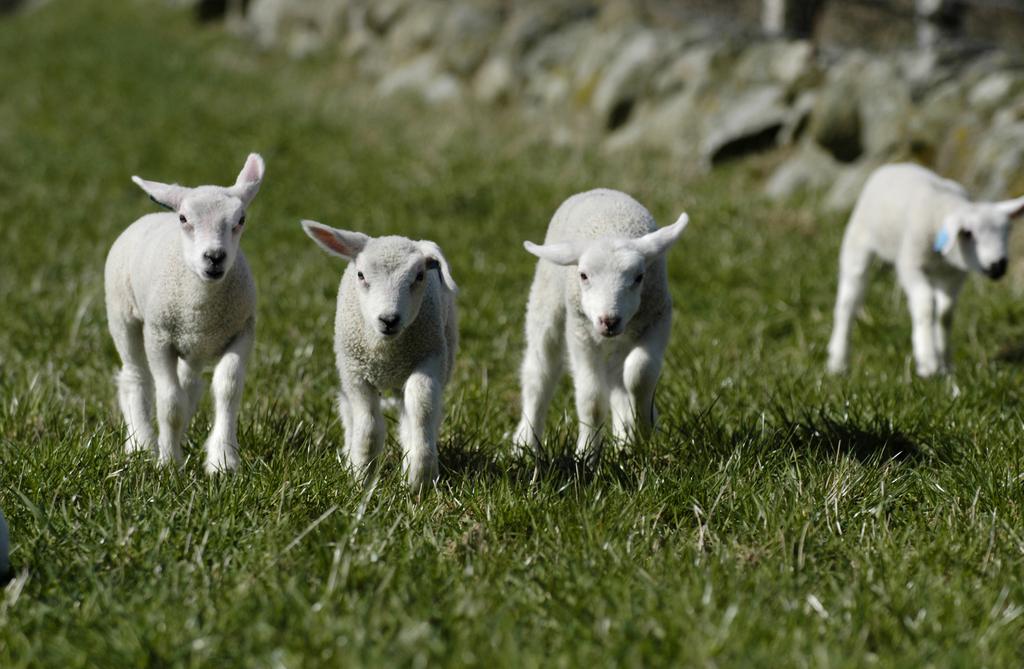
column 780, row 518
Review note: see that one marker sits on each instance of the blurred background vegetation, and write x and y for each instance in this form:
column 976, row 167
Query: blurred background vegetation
column 837, row 87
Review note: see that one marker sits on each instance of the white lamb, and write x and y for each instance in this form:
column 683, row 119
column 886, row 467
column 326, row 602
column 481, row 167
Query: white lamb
column 395, row 327
column 600, row 291
column 934, row 235
column 179, row 297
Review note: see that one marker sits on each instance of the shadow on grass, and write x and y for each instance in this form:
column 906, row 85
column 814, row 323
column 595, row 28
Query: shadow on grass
column 691, row 442
column 826, row 436
column 1011, row 353
column 558, row 466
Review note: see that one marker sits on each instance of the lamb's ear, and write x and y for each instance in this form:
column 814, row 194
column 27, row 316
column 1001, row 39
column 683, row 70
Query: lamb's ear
column 168, row 196
column 560, row 253
column 655, row 243
column 249, row 179
column 1011, row 208
column 340, row 243
column 436, row 260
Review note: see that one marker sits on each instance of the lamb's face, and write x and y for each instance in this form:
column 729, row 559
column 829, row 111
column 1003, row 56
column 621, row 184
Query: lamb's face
column 983, row 233
column 390, row 278
column 389, row 273
column 211, row 217
column 211, row 222
column 610, row 272
column 611, row 276
column 976, row 236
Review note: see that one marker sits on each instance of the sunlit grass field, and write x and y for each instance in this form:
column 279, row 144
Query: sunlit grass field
column 780, row 518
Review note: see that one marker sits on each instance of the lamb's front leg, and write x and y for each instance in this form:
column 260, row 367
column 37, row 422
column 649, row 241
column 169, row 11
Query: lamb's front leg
column 171, row 401
column 359, row 403
column 228, row 381
column 591, row 391
column 633, row 411
column 419, row 424
column 921, row 299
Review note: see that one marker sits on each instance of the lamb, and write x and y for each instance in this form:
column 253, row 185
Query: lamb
column 180, row 296
column 934, row 234
column 600, row 291
column 395, row 328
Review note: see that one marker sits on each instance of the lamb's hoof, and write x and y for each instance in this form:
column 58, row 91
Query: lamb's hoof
column 133, row 445
column 221, row 460
column 421, row 472
column 173, row 458
column 524, row 442
column 589, row 456
column 836, row 367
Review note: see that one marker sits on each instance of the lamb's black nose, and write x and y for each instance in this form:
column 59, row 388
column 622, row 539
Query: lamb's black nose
column 389, row 321
column 997, row 269
column 216, row 257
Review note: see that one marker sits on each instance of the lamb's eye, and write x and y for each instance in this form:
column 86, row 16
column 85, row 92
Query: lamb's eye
column 419, row 277
column 583, row 276
column 361, row 277
column 241, row 221
column 639, row 278
column 181, row 217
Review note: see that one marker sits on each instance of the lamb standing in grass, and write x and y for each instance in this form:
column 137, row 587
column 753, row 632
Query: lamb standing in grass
column 601, row 290
column 179, row 297
column 395, row 328
column 928, row 228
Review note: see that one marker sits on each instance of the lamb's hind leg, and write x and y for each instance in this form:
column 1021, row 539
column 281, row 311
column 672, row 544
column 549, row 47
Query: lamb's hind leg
column 134, row 386
column 543, row 363
column 854, row 259
column 228, row 381
column 191, row 380
column 945, row 299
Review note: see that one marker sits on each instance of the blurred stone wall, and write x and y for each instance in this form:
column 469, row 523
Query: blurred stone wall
column 691, row 77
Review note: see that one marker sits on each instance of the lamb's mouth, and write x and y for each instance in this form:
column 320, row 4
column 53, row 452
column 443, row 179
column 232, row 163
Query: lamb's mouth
column 996, row 270
column 213, row 274
column 611, row 332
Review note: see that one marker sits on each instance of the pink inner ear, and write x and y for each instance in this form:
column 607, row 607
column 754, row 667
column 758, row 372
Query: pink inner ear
column 328, row 239
column 252, row 171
